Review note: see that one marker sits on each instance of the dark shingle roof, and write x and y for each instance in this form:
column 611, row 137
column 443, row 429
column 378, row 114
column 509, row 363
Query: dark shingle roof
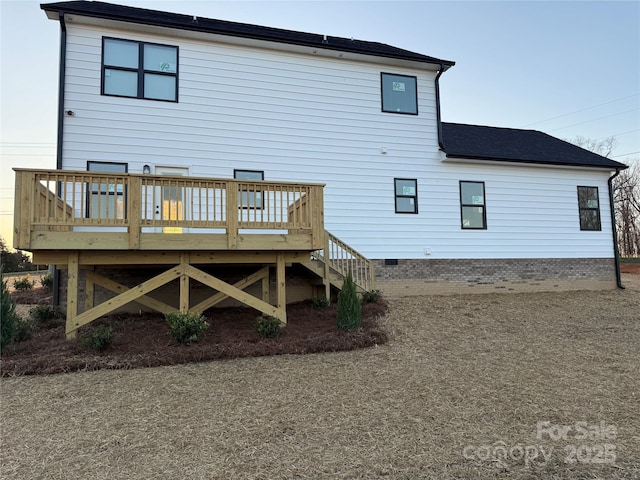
column 222, row 27
column 512, row 145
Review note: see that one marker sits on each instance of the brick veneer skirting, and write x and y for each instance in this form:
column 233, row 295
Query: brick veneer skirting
column 407, row 278
column 431, row 276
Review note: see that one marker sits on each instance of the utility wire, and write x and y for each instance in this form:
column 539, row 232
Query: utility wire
column 623, row 154
column 594, row 119
column 581, row 110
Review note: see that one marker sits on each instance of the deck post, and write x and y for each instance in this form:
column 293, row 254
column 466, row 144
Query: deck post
column 232, row 215
column 72, row 294
column 134, row 211
column 281, row 302
column 184, row 283
column 317, row 216
column 23, row 210
column 327, row 271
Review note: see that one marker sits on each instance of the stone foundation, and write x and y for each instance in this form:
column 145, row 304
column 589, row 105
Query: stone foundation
column 429, row 276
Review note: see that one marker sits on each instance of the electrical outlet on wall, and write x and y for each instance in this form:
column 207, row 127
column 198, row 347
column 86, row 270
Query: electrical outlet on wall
column 427, row 251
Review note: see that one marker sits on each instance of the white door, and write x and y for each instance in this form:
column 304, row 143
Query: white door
column 170, row 203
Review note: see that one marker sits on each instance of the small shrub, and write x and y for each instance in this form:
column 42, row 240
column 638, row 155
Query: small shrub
column 320, row 302
column 8, row 317
column 371, row 296
column 47, row 282
column 349, row 314
column 23, row 331
column 268, row 327
column 186, row 327
column 98, row 338
column 23, row 284
column 44, row 314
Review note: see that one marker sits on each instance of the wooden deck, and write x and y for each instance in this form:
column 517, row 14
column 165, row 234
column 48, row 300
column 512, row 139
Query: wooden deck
column 82, row 222
column 66, row 210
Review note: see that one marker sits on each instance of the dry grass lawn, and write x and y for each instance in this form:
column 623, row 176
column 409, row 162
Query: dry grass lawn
column 458, row 393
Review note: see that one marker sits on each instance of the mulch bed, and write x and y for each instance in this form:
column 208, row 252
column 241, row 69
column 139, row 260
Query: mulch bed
column 630, row 268
column 34, row 296
column 144, row 340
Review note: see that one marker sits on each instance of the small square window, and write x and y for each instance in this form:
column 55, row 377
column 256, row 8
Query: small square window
column 406, row 194
column 472, row 206
column 399, row 94
column 589, row 208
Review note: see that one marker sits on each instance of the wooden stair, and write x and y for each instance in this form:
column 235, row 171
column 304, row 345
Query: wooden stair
column 333, row 263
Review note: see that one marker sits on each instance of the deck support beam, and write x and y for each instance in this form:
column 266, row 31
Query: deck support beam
column 116, row 287
column 184, row 283
column 183, row 272
column 72, row 295
column 262, row 274
column 281, row 294
column 278, row 311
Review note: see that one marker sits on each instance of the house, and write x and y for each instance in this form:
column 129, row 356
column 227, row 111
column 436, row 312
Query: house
column 198, row 154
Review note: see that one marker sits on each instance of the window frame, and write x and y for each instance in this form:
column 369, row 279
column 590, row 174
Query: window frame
column 474, row 205
column 412, row 77
column 398, row 195
column 257, row 205
column 140, row 71
column 589, row 209
column 106, row 193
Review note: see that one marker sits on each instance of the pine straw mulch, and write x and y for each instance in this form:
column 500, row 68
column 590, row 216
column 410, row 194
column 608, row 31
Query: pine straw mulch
column 144, row 340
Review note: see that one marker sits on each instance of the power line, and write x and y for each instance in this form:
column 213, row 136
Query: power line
column 27, row 143
column 623, row 154
column 581, row 110
column 618, row 134
column 594, row 119
column 27, row 154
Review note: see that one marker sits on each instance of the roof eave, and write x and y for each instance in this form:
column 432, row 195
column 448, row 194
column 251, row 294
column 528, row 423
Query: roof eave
column 69, row 9
column 613, row 166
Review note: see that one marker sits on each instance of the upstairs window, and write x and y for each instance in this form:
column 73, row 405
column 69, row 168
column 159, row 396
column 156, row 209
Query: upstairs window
column 589, row 208
column 473, row 211
column 406, row 192
column 139, row 70
column 399, row 94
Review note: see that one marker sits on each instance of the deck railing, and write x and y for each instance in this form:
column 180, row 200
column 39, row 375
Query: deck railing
column 340, row 257
column 72, row 201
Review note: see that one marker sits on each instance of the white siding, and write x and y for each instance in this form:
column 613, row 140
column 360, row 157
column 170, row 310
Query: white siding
column 312, row 119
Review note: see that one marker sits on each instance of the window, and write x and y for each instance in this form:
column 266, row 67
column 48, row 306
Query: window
column 250, row 196
column 406, row 190
column 472, row 205
column 139, row 70
column 399, row 94
column 106, row 198
column 589, row 207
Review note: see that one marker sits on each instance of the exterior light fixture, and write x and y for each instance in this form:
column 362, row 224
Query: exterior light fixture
column 146, row 169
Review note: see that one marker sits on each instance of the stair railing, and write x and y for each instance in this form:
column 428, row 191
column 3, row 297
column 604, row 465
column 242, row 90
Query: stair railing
column 342, row 258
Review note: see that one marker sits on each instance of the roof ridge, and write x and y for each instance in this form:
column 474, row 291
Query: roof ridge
column 181, row 21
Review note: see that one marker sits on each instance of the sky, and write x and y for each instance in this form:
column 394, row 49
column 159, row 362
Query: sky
column 568, row 69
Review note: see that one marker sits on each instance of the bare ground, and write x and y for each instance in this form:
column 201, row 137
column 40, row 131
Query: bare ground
column 458, row 393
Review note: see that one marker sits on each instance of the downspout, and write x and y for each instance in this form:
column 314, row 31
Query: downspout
column 616, row 250
column 61, row 81
column 438, row 119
